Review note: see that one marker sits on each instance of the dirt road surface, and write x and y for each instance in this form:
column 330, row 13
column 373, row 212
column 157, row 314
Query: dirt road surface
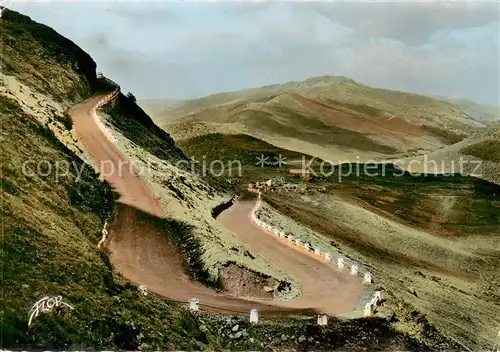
column 324, row 287
column 113, row 165
column 146, row 257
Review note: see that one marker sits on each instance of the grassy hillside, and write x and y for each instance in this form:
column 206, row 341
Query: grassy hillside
column 488, row 150
column 52, row 224
column 329, row 117
column 44, row 60
column 240, row 155
column 432, row 242
column 476, row 155
column 233, row 147
column 136, row 125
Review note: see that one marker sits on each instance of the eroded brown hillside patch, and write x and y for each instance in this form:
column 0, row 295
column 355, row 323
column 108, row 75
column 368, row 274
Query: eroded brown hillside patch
column 396, row 128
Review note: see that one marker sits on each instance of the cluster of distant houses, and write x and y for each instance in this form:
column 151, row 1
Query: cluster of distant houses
column 275, row 183
column 279, row 184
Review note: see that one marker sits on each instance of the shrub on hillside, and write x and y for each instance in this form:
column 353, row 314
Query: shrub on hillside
column 487, row 150
column 247, row 195
column 65, row 120
column 447, row 136
column 131, row 97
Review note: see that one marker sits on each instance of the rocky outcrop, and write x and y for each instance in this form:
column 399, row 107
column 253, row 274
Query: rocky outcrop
column 216, row 211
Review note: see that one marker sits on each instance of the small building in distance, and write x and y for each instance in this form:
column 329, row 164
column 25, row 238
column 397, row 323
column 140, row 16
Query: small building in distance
column 289, row 187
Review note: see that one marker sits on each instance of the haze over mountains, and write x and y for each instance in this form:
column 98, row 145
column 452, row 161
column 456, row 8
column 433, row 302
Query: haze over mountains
column 480, row 112
column 335, row 118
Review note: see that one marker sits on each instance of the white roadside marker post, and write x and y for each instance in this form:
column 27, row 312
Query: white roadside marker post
column 354, row 269
column 340, row 263
column 143, row 290
column 322, row 320
column 368, row 310
column 254, row 316
column 194, row 304
column 368, row 278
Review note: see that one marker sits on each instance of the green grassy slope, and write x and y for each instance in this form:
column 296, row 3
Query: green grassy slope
column 476, row 155
column 443, row 261
column 417, row 200
column 44, row 60
column 137, row 126
column 240, row 155
column 51, row 226
column 233, row 147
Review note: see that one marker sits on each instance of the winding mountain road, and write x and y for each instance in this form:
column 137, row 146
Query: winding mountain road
column 146, row 257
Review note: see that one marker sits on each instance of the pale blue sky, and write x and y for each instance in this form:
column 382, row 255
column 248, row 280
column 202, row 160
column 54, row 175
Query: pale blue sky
column 183, row 50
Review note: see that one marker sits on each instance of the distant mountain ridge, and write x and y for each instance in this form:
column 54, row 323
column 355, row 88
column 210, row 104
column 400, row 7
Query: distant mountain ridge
column 480, row 112
column 332, row 117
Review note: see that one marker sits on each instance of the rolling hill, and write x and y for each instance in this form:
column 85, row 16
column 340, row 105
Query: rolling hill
column 53, row 222
column 334, row 118
column 480, row 112
column 478, row 155
column 338, row 119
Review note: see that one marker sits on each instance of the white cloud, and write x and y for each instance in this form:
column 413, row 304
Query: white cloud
column 187, row 50
column 412, row 23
